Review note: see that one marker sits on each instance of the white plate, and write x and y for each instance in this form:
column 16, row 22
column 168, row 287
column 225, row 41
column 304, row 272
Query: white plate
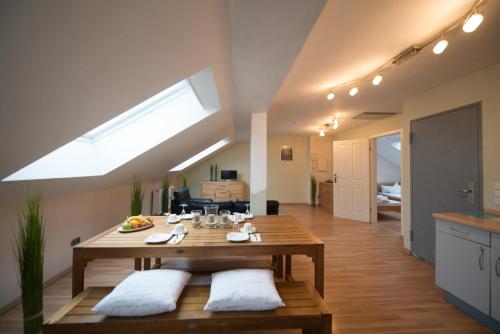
column 249, row 216
column 187, row 216
column 157, row 238
column 121, row 230
column 185, row 231
column 254, row 229
column 172, row 221
column 237, row 236
column 231, row 218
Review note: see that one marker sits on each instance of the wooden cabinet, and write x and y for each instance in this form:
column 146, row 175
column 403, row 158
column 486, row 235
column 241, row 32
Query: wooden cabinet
column 326, row 195
column 224, row 190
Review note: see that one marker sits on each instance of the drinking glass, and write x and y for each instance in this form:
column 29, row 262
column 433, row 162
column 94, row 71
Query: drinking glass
column 211, row 212
column 224, row 214
column 248, row 209
column 236, row 222
column 196, row 218
column 183, row 212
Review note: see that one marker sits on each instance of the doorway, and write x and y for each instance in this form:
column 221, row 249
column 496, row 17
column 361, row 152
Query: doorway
column 446, row 171
column 386, row 180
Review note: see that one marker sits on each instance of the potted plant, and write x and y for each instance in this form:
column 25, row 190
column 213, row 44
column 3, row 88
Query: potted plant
column 136, row 197
column 314, row 184
column 29, row 248
column 164, row 194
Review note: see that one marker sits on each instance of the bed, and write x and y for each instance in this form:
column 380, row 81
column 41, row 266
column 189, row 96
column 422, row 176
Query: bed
column 388, row 201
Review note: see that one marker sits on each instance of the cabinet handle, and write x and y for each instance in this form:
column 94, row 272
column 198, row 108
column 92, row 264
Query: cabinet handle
column 459, row 231
column 481, row 259
column 497, row 266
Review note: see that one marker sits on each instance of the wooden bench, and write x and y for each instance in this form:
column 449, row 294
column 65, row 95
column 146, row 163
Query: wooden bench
column 304, row 309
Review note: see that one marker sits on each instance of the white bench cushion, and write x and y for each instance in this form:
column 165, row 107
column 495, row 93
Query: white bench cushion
column 144, row 293
column 243, row 290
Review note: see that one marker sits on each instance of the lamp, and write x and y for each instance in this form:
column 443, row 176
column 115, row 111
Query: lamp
column 353, row 91
column 440, row 46
column 472, row 22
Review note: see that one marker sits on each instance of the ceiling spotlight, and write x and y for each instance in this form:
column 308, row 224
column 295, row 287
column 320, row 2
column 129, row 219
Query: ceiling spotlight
column 377, row 79
column 353, row 91
column 321, row 133
column 472, row 22
column 335, row 124
column 440, row 46
column 330, row 96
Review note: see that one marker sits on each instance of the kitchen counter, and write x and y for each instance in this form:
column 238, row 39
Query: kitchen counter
column 489, row 221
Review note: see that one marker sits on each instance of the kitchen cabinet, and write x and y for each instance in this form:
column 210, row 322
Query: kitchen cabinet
column 463, row 264
column 495, row 276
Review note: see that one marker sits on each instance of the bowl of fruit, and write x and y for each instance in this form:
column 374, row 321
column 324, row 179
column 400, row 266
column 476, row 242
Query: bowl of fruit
column 135, row 223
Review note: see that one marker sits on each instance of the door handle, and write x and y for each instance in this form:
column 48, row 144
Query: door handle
column 465, row 191
column 497, row 266
column 470, row 191
column 335, row 178
column 481, row 259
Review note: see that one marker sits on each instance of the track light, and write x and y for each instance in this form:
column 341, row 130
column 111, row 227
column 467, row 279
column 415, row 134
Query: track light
column 321, row 133
column 353, row 91
column 440, row 46
column 377, row 79
column 330, row 96
column 472, row 22
column 335, row 124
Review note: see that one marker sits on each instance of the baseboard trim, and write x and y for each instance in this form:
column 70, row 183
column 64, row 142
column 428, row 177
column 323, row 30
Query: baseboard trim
column 16, row 301
column 492, row 212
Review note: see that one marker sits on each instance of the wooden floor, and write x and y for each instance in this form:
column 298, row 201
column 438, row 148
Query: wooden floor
column 371, row 286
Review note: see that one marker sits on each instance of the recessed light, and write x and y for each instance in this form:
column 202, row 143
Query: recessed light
column 330, row 96
column 353, row 91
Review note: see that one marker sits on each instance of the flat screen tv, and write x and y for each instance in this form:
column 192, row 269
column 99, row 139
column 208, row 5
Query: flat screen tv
column 228, row 175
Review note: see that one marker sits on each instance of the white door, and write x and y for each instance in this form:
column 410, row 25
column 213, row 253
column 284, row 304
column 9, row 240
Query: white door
column 351, row 188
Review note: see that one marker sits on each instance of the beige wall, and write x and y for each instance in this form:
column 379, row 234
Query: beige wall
column 82, row 215
column 287, row 181
column 234, row 157
column 483, row 86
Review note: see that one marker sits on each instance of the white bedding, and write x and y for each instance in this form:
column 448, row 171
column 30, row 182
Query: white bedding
column 389, row 195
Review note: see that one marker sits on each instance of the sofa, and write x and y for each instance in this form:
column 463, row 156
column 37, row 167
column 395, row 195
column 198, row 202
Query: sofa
column 183, row 196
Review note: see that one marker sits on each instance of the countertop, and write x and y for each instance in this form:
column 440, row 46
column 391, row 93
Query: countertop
column 491, row 221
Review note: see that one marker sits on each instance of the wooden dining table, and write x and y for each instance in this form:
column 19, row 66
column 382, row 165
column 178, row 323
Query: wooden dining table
column 281, row 235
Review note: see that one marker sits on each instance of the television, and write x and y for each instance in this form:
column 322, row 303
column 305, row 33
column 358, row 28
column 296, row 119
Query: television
column 228, row 175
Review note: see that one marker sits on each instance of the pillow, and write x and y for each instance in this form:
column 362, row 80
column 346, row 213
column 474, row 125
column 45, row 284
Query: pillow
column 243, row 290
column 395, row 189
column 144, row 293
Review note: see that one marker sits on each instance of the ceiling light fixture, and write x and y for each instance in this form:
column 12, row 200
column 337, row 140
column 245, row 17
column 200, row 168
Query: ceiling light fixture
column 335, row 124
column 321, row 133
column 440, row 46
column 472, row 22
column 354, row 91
column 377, row 80
column 330, row 96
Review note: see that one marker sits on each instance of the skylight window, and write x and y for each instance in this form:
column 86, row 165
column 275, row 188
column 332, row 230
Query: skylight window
column 130, row 134
column 206, row 152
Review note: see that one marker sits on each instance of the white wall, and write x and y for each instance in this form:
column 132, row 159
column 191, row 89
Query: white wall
column 82, row 215
column 387, row 171
column 482, row 86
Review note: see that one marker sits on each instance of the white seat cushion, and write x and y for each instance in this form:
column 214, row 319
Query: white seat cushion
column 144, row 293
column 243, row 290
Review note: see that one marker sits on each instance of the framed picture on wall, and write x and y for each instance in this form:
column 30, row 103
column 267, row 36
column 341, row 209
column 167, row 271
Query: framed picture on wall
column 286, row 153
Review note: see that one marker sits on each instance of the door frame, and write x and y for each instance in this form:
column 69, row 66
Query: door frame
column 480, row 157
column 373, row 173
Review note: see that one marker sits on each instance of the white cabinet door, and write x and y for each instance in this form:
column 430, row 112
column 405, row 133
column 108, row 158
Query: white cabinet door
column 495, row 284
column 463, row 269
